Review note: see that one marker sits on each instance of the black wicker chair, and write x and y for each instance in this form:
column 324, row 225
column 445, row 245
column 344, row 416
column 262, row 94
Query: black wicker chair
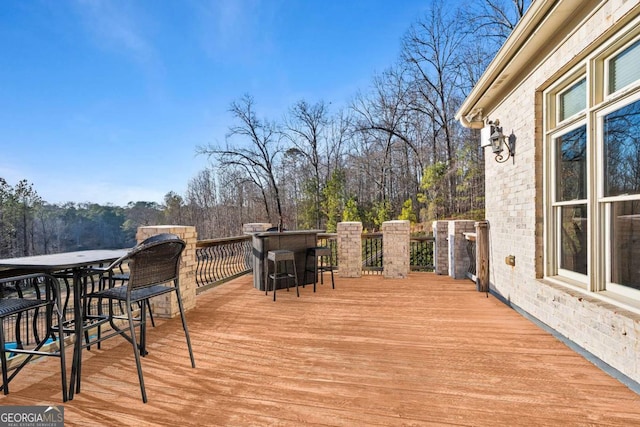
column 122, row 276
column 29, row 305
column 153, row 271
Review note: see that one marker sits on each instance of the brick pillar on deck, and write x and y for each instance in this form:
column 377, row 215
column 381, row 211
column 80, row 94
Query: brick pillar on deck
column 395, row 249
column 441, row 247
column 350, row 249
column 167, row 305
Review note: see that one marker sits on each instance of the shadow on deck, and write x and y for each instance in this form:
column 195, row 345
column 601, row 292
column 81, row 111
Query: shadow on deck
column 426, row 350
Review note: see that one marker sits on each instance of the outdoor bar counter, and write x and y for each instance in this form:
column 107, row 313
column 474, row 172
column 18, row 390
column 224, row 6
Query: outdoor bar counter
column 297, row 241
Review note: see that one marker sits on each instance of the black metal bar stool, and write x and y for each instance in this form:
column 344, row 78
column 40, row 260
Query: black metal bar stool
column 278, row 257
column 321, row 256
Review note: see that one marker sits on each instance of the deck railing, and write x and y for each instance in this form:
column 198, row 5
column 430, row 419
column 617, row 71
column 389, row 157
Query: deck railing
column 372, row 256
column 220, row 260
column 471, row 251
column 421, row 253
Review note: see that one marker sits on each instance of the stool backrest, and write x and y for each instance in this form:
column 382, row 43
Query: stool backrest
column 155, row 260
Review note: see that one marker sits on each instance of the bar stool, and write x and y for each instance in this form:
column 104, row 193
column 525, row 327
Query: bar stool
column 321, row 255
column 277, row 257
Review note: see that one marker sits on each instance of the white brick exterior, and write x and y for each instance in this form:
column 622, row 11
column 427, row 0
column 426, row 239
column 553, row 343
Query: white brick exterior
column 515, row 189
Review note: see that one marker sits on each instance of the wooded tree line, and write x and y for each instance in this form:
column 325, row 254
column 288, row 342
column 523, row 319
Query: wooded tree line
column 396, row 151
column 30, row 226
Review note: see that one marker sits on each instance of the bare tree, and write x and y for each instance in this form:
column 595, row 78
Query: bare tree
column 305, row 128
column 431, row 49
column 338, row 133
column 496, row 19
column 174, row 209
column 387, row 115
column 201, row 201
column 256, row 153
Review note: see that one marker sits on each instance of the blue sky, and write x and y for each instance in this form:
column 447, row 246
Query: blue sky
column 105, row 101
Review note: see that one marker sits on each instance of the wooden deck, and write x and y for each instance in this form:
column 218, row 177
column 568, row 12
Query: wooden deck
column 426, row 350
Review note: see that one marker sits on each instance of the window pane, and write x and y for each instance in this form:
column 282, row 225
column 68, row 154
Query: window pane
column 621, row 131
column 625, row 243
column 573, row 100
column 571, row 165
column 623, row 68
column 573, row 240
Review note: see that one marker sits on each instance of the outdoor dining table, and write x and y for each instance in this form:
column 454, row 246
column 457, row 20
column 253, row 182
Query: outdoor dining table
column 76, row 263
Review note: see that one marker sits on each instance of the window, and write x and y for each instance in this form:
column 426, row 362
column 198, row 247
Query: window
column 593, row 178
column 620, row 199
column 623, row 68
column 571, row 199
column 573, row 100
column 625, row 233
column 621, row 145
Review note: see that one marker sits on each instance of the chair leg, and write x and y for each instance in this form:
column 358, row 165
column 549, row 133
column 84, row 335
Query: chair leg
column 3, row 359
column 143, row 329
column 315, row 277
column 136, row 353
column 153, row 323
column 184, row 325
column 275, row 274
column 63, row 367
column 310, row 254
column 295, row 277
column 286, row 274
column 306, row 270
column 50, row 334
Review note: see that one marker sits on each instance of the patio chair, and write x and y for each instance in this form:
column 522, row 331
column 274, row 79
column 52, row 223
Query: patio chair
column 28, row 306
column 122, row 276
column 153, row 271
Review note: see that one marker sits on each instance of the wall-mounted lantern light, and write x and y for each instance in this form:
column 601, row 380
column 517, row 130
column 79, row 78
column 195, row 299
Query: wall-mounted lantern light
column 499, row 142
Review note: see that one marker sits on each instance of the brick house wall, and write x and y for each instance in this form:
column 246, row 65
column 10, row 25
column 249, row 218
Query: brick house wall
column 514, row 205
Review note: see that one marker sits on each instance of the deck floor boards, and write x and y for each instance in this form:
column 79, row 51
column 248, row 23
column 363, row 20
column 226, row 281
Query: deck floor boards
column 421, row 351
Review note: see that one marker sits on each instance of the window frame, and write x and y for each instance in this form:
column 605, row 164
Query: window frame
column 611, row 54
column 604, row 203
column 556, row 206
column 558, row 101
column 598, row 103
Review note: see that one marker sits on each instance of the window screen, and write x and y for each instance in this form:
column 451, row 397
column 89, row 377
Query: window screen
column 573, row 100
column 624, row 68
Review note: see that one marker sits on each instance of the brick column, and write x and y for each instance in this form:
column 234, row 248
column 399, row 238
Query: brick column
column 441, row 247
column 458, row 255
column 350, row 249
column 167, row 305
column 395, row 249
